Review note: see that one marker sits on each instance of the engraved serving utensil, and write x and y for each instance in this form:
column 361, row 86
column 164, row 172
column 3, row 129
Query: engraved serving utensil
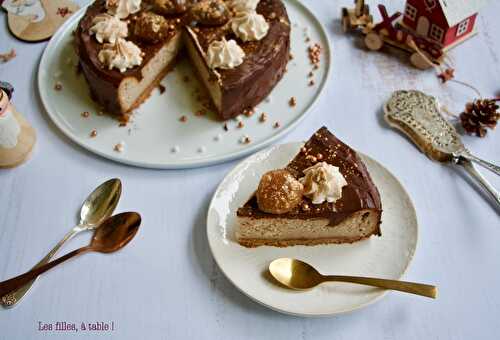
column 298, row 275
column 113, row 234
column 418, row 116
column 98, row 206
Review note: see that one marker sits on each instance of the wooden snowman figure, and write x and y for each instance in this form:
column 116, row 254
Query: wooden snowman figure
column 17, row 137
column 37, row 20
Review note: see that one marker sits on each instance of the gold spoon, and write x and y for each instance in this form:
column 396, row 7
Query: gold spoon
column 113, row 234
column 98, row 206
column 299, row 275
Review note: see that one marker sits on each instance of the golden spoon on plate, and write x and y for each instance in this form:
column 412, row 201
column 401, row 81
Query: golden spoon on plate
column 113, row 234
column 299, row 275
column 98, row 206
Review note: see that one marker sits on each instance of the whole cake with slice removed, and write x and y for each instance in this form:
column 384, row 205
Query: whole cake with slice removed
column 324, row 195
column 238, row 48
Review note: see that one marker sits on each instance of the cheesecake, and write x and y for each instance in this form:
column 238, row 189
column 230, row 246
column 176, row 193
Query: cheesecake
column 324, row 195
column 238, row 48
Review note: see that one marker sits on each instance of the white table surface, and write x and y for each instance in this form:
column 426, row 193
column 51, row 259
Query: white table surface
column 165, row 284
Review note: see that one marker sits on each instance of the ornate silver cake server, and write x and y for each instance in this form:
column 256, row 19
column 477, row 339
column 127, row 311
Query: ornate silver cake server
column 418, row 116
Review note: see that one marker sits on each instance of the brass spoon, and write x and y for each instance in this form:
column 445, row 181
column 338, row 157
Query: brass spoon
column 113, row 234
column 299, row 275
column 98, row 206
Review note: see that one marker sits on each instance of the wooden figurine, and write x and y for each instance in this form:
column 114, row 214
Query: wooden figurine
column 37, row 20
column 427, row 30
column 17, row 137
column 447, row 23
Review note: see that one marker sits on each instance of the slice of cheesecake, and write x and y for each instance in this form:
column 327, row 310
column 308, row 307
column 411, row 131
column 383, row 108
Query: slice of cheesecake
column 232, row 91
column 324, row 195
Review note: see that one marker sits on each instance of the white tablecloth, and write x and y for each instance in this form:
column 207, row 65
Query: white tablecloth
column 166, row 285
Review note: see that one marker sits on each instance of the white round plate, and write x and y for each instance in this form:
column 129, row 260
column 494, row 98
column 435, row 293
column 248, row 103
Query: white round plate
column 156, row 138
column 387, row 256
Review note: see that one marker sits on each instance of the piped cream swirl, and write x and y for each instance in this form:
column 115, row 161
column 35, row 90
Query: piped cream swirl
column 249, row 26
column 243, row 5
column 108, row 28
column 123, row 8
column 224, row 54
column 121, row 55
column 323, row 182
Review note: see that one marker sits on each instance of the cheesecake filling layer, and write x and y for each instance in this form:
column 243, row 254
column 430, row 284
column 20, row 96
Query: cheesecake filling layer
column 131, row 89
column 284, row 232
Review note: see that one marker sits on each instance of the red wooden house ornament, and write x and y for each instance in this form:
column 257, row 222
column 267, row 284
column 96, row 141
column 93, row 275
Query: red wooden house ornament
column 447, row 22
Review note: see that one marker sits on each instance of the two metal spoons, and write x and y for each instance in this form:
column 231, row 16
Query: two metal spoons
column 98, row 206
column 113, row 234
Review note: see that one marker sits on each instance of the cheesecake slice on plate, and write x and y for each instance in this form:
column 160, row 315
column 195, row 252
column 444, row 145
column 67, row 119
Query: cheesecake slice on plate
column 324, row 195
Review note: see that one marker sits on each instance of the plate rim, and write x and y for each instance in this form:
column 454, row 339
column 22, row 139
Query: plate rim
column 186, row 164
column 382, row 293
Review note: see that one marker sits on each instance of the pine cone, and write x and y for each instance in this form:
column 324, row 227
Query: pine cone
column 479, row 115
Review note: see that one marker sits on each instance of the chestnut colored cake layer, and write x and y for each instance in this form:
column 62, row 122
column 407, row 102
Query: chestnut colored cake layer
column 356, row 215
column 232, row 91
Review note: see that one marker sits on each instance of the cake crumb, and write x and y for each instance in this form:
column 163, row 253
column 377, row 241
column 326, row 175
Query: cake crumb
column 276, row 125
column 311, row 82
column 263, row 117
column 311, row 158
column 292, row 102
column 58, row 86
column 249, row 112
column 85, row 114
column 311, row 74
column 183, row 119
column 93, row 133
column 314, row 53
column 161, row 88
column 5, row 57
column 63, row 11
column 290, row 56
column 240, row 125
column 119, row 147
column 245, row 140
column 225, row 127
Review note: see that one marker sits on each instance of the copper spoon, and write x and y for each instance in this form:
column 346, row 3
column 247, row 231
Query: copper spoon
column 113, row 234
column 98, row 206
column 299, row 275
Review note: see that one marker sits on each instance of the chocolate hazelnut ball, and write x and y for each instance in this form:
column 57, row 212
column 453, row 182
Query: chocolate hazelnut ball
column 279, row 192
column 150, row 27
column 169, row 7
column 209, row 13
